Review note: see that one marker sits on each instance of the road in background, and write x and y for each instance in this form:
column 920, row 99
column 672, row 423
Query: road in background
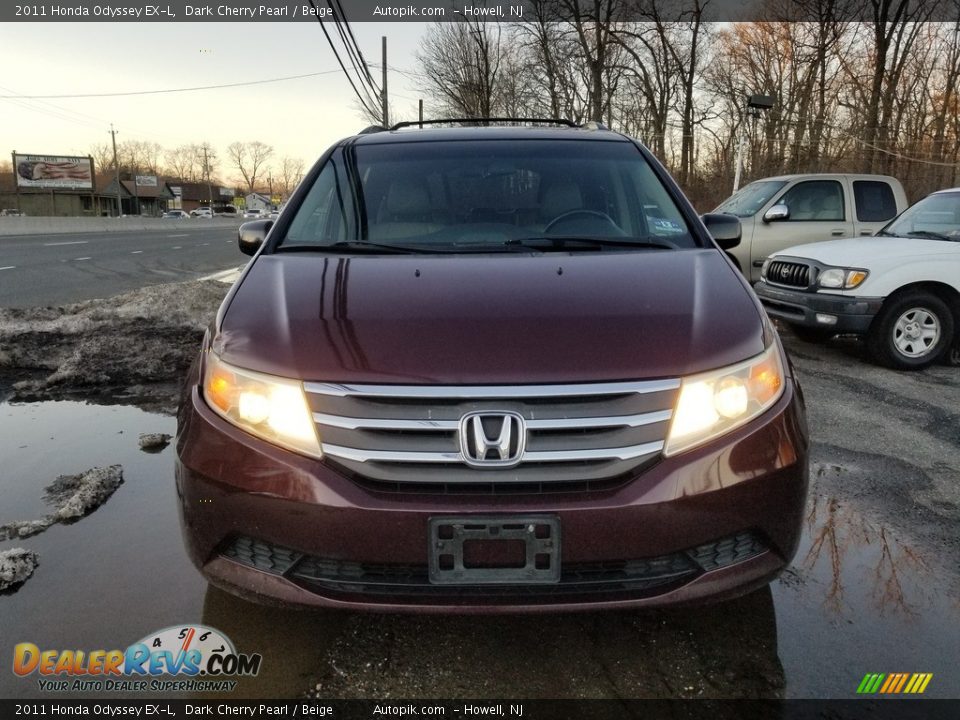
column 56, row 269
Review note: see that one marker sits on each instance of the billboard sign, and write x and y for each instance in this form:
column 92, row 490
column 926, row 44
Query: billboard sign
column 146, row 180
column 53, row 171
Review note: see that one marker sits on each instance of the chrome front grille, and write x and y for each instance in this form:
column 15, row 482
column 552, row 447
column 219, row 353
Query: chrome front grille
column 410, row 435
column 790, row 274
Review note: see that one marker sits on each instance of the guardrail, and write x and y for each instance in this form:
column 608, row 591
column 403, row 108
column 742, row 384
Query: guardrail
column 62, row 225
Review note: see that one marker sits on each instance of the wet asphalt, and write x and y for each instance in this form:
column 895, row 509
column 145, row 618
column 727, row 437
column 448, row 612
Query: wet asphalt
column 874, row 586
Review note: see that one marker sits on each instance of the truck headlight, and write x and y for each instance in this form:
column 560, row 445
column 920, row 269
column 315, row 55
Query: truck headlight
column 846, row 278
column 270, row 407
column 716, row 402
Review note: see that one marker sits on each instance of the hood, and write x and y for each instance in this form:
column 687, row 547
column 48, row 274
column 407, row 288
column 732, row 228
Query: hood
column 864, row 251
column 505, row 318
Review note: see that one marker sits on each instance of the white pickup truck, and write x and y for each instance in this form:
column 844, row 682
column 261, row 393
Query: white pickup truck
column 899, row 289
column 779, row 212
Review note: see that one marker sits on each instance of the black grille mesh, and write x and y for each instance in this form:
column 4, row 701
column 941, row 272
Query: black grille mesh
column 632, row 577
column 780, row 272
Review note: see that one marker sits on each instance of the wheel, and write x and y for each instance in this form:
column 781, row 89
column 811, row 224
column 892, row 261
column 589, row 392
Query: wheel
column 911, row 332
column 812, row 334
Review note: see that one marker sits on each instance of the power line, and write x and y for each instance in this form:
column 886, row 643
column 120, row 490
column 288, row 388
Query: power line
column 168, row 90
column 350, row 42
column 361, row 98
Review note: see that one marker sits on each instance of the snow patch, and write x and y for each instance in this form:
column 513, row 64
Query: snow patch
column 74, row 496
column 16, row 567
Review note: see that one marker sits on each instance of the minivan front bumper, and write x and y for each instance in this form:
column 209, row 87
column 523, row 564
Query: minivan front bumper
column 710, row 523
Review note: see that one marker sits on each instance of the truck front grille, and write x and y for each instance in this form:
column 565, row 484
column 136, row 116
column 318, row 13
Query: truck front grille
column 790, row 274
column 421, row 436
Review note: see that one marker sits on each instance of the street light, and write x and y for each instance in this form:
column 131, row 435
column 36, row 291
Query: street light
column 755, row 104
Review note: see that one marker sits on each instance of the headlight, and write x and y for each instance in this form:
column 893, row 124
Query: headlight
column 269, row 407
column 716, row 402
column 842, row 278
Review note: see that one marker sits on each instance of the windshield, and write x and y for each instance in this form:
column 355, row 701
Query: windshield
column 748, row 201
column 449, row 196
column 936, row 216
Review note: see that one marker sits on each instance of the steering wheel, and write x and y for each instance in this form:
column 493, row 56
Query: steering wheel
column 593, row 214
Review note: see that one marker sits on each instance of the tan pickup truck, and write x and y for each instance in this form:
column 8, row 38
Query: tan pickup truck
column 779, row 212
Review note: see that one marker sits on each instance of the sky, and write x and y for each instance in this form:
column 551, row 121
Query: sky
column 299, row 118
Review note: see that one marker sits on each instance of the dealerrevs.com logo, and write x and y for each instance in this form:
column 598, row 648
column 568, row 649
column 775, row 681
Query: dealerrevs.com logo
column 200, row 658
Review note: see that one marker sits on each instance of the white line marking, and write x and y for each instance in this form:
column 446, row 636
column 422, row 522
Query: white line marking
column 136, row 252
column 9, row 267
column 205, row 243
column 72, row 242
column 181, row 235
column 177, row 247
column 79, row 259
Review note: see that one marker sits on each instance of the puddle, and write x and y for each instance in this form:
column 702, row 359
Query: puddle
column 860, row 598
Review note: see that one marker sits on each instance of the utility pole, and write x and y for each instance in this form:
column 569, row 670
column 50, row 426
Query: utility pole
column 755, row 105
column 383, row 94
column 421, row 113
column 116, row 168
column 206, row 171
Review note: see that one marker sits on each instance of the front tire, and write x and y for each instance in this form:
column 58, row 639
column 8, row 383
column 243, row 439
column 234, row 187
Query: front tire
column 911, row 331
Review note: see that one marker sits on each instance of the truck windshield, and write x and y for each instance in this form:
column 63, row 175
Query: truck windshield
column 936, row 217
column 748, row 201
column 488, row 195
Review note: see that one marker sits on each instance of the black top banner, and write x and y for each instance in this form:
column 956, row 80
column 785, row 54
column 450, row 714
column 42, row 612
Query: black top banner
column 604, row 11
column 919, row 709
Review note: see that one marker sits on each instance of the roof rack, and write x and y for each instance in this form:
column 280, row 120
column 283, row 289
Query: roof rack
column 485, row 121
column 372, row 129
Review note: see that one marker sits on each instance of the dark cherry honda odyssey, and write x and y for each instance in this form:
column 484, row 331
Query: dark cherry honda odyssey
column 493, row 368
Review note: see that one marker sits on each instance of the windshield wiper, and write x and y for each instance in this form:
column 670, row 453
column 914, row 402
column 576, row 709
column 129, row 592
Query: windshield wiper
column 351, row 246
column 558, row 243
column 375, row 247
column 929, row 234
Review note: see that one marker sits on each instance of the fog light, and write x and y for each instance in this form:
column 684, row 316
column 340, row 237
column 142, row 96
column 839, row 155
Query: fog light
column 825, row 319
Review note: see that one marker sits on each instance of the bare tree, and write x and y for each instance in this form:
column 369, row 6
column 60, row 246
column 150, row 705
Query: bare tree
column 250, row 159
column 291, row 173
column 102, row 154
column 461, row 63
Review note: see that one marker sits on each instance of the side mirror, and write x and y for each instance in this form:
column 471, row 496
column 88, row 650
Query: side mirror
column 777, row 212
column 252, row 235
column 723, row 228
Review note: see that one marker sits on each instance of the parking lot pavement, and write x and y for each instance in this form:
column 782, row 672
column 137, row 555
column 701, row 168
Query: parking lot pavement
column 873, row 588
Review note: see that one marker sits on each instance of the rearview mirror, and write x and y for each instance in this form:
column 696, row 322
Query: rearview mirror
column 252, row 234
column 777, row 212
column 723, row 228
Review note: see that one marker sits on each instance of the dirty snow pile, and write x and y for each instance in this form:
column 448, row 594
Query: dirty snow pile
column 71, row 497
column 16, row 567
column 140, row 343
column 154, row 442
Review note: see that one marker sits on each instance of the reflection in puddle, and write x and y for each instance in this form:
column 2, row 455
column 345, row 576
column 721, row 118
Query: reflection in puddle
column 860, row 598
column 849, row 547
column 861, row 595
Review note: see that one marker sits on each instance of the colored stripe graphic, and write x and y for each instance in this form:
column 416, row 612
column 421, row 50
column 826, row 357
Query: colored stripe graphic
column 894, row 683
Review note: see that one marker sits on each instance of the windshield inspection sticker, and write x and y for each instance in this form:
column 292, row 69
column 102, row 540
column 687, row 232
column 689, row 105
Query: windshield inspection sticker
column 204, row 657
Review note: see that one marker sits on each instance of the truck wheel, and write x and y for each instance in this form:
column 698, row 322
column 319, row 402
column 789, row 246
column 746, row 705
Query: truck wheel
column 911, row 332
column 812, row 335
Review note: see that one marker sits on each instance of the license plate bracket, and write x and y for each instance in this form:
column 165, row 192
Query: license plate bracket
column 486, row 538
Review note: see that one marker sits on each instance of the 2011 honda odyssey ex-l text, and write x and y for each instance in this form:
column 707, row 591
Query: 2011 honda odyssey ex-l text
column 498, row 368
